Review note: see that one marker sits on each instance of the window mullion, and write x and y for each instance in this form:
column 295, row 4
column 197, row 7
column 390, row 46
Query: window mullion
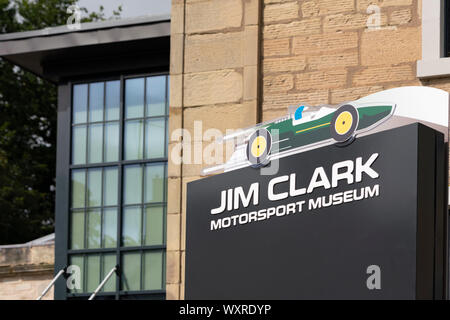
column 85, row 272
column 120, row 187
column 141, row 277
column 103, row 123
column 86, row 160
column 101, row 267
column 85, row 242
column 143, row 172
column 102, row 209
column 144, row 121
column 166, row 124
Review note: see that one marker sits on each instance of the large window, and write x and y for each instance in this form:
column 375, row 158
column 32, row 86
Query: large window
column 435, row 60
column 118, row 186
column 446, row 7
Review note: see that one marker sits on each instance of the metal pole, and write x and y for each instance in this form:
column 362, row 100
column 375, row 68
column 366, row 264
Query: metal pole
column 60, row 273
column 100, row 286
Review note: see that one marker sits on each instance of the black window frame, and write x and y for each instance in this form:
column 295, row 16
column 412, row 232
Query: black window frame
column 63, row 198
column 446, row 17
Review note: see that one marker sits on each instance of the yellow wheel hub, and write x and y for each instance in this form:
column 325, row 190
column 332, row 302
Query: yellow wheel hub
column 343, row 123
column 258, row 146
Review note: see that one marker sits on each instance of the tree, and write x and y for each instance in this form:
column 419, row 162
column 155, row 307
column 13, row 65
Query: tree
column 28, row 127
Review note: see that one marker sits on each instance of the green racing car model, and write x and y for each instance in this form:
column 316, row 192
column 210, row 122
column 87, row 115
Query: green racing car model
column 301, row 130
column 296, row 131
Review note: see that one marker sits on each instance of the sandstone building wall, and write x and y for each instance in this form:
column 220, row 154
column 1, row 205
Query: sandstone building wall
column 25, row 271
column 238, row 62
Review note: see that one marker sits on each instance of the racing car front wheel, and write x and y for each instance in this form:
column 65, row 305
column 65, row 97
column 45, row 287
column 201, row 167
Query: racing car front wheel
column 259, row 147
column 344, row 123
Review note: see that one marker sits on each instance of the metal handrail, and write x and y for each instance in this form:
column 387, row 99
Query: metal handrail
column 100, row 286
column 59, row 274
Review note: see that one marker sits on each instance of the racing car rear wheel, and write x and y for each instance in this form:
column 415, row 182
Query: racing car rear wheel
column 344, row 123
column 259, row 147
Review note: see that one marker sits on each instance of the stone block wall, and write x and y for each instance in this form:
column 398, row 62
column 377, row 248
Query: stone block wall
column 25, row 271
column 214, row 84
column 235, row 63
column 339, row 54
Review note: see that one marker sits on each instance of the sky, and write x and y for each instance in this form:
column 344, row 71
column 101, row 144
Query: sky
column 130, row 8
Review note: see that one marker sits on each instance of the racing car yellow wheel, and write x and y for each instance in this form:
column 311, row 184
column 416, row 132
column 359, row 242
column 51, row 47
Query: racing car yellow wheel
column 259, row 147
column 344, row 123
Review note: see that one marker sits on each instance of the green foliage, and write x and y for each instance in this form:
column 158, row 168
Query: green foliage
column 28, row 127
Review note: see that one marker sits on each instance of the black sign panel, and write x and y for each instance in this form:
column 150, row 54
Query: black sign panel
column 354, row 222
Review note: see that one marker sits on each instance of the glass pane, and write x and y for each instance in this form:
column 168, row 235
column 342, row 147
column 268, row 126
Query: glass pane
column 134, row 140
column 154, row 183
column 93, row 272
column 131, row 277
column 110, row 185
column 167, row 132
column 94, row 228
column 95, row 143
column 168, row 92
column 79, row 145
column 133, row 185
column 78, row 188
column 109, row 228
column 155, row 138
column 153, row 273
column 77, row 230
column 96, row 92
column 156, row 96
column 134, row 98
column 112, row 100
column 131, row 229
column 112, row 142
column 109, row 262
column 77, row 278
column 80, row 103
column 94, row 187
column 154, row 226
